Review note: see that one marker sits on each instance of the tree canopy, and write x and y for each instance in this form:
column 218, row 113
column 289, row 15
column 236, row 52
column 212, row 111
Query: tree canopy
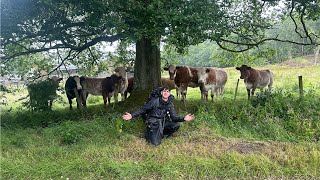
column 73, row 27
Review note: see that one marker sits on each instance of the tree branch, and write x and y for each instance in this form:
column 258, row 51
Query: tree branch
column 64, row 45
column 293, row 20
column 93, row 57
column 252, row 45
column 302, row 14
column 62, row 62
column 304, row 25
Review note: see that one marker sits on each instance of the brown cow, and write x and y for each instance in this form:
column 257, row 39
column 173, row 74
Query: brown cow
column 121, row 87
column 90, row 85
column 254, row 78
column 183, row 77
column 109, row 85
column 212, row 79
column 130, row 87
column 170, row 83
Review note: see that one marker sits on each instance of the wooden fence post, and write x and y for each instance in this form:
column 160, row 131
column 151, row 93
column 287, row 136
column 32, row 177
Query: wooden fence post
column 300, row 86
column 235, row 94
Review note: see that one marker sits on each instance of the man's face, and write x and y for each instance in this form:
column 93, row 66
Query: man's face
column 165, row 93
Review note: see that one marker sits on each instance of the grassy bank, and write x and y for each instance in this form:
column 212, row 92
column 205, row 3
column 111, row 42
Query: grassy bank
column 274, row 136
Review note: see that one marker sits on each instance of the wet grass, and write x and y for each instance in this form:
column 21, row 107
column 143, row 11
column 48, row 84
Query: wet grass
column 274, row 137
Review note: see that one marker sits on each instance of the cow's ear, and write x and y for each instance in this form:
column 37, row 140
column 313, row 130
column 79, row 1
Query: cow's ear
column 248, row 67
column 237, row 68
column 207, row 70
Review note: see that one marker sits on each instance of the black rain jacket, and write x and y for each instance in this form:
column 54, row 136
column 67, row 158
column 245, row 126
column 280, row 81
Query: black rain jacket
column 156, row 108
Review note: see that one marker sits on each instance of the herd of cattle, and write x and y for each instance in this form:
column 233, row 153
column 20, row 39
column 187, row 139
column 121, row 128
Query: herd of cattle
column 181, row 77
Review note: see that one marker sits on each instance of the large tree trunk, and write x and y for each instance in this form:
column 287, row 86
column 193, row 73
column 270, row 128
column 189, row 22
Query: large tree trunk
column 147, row 73
column 147, row 65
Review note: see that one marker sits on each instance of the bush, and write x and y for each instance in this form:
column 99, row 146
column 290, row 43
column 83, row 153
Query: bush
column 42, row 94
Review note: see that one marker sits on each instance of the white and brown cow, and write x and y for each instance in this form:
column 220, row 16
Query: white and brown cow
column 254, row 78
column 212, row 79
column 184, row 77
column 121, row 87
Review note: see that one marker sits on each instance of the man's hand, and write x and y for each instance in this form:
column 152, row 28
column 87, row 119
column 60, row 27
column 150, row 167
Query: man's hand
column 189, row 117
column 127, row 116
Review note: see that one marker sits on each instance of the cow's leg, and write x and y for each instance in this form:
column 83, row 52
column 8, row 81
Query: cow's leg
column 252, row 91
column 70, row 103
column 78, row 103
column 203, row 92
column 205, row 95
column 216, row 91
column 125, row 94
column 248, row 91
column 50, row 104
column 104, row 99
column 183, row 92
column 177, row 92
column 270, row 88
column 77, row 95
column 84, row 96
column 109, row 100
column 122, row 96
column 116, row 97
column 222, row 92
column 184, row 96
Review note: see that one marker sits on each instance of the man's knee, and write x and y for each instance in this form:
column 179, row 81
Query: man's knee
column 153, row 136
column 155, row 142
column 176, row 126
column 173, row 126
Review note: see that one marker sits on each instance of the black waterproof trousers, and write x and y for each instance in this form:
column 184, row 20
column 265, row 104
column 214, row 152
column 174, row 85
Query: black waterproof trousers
column 156, row 130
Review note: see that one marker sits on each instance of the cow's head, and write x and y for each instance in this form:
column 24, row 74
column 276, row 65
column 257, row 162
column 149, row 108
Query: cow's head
column 55, row 79
column 114, row 79
column 202, row 75
column 172, row 69
column 244, row 71
column 77, row 80
column 121, row 72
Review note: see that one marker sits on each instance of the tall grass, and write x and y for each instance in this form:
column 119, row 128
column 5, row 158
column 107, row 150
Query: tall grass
column 270, row 136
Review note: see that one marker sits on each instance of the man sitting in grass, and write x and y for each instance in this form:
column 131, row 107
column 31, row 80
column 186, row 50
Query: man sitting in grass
column 161, row 118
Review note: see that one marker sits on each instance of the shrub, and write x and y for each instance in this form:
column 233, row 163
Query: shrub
column 42, row 94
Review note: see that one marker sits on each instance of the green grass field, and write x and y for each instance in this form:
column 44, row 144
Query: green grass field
column 276, row 137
